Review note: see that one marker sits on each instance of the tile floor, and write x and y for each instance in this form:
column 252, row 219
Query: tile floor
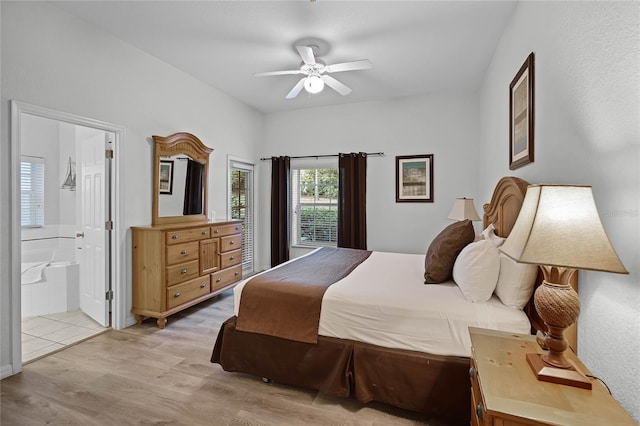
column 49, row 333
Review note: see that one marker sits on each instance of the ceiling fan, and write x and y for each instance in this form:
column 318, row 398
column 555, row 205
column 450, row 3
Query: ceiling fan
column 316, row 72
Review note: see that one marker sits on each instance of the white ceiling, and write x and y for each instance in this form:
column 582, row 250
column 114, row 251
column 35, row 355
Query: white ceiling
column 416, row 47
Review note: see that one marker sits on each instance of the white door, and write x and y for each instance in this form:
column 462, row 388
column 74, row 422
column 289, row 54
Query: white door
column 92, row 208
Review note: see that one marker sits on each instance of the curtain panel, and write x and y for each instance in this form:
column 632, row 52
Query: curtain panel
column 280, row 207
column 352, row 201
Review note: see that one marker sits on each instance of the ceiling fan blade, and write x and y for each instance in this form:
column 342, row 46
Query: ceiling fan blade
column 363, row 64
column 263, row 74
column 306, row 53
column 336, row 85
column 296, row 89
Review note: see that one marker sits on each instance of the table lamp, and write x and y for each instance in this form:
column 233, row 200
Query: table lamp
column 463, row 208
column 559, row 229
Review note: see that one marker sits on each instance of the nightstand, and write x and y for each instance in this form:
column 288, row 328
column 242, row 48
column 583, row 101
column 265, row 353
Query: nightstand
column 505, row 392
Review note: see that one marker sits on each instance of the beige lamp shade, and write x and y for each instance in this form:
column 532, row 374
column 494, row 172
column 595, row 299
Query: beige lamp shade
column 559, row 225
column 463, row 208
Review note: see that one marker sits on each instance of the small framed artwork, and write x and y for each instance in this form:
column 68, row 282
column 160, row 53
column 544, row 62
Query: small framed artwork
column 166, row 177
column 414, row 178
column 521, row 92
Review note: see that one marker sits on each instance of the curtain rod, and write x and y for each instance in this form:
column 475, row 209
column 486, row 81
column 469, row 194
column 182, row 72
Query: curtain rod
column 369, row 154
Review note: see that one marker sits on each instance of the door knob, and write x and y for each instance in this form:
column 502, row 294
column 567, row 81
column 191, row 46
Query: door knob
column 80, row 235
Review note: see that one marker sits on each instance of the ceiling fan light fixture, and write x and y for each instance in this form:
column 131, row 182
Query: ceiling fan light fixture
column 314, row 84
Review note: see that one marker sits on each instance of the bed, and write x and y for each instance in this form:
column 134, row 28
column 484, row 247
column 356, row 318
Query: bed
column 396, row 346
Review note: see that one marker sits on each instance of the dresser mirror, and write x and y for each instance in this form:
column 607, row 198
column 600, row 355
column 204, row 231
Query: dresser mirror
column 180, row 171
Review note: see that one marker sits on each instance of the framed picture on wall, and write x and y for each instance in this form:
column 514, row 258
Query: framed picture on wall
column 166, row 177
column 414, row 178
column 521, row 93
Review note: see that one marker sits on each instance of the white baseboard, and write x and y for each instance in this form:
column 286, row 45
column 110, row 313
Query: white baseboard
column 6, row 371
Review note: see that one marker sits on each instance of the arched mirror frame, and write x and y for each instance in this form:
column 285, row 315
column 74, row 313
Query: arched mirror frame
column 179, row 143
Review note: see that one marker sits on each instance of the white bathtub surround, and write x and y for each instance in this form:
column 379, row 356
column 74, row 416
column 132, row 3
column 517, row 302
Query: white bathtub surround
column 58, row 291
column 50, row 274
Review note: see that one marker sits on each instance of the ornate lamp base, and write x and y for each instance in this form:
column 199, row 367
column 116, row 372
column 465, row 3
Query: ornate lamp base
column 564, row 376
column 558, row 305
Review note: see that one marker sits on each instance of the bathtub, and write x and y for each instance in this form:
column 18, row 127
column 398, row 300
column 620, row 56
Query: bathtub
column 50, row 281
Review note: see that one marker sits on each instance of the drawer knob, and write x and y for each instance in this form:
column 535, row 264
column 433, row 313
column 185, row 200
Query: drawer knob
column 202, row 285
column 178, row 294
column 216, row 231
column 237, row 228
column 231, row 242
column 184, row 271
column 231, row 258
column 205, row 232
column 472, row 373
column 236, row 273
column 174, row 237
column 479, row 411
column 183, row 252
column 218, row 280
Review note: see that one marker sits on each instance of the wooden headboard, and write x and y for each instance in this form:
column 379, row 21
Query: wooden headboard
column 502, row 211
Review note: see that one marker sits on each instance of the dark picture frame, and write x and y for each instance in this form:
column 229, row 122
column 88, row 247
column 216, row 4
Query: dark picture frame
column 165, row 185
column 414, row 178
column 521, row 115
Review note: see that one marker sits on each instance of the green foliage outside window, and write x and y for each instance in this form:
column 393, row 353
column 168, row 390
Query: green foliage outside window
column 317, row 207
column 318, row 224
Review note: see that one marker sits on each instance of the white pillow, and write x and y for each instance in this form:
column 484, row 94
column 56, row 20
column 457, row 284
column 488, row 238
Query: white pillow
column 515, row 282
column 489, row 234
column 476, row 270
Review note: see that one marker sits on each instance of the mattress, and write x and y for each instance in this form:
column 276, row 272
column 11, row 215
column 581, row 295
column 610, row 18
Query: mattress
column 385, row 302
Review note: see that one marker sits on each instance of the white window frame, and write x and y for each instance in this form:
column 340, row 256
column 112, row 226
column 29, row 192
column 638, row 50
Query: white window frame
column 306, row 164
column 32, row 178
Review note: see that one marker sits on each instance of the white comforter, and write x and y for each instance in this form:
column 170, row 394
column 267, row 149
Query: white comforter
column 385, row 302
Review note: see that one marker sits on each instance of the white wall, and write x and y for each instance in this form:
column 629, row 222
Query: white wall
column 587, row 109
column 52, row 59
column 67, row 197
column 445, row 125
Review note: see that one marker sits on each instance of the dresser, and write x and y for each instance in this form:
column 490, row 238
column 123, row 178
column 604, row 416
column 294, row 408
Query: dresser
column 505, row 392
column 176, row 266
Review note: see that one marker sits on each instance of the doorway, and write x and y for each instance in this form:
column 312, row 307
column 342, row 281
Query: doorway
column 241, row 206
column 71, row 254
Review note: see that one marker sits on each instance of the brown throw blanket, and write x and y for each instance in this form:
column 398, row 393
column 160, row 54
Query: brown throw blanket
column 285, row 302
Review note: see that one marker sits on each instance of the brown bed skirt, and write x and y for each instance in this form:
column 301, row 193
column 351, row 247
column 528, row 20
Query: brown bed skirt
column 432, row 384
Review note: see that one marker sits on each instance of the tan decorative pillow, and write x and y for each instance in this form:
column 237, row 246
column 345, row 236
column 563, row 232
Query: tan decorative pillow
column 442, row 253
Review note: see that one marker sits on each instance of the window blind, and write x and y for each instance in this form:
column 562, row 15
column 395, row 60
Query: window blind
column 31, row 191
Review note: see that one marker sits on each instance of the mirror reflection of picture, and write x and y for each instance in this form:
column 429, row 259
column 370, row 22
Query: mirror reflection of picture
column 166, row 177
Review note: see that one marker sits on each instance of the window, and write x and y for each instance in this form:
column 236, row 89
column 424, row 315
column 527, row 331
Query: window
column 241, row 207
column 32, row 192
column 314, row 207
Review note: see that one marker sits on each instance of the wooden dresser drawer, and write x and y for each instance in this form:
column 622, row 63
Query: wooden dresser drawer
column 224, row 230
column 230, row 258
column 186, row 235
column 182, row 253
column 225, row 277
column 182, row 293
column 230, row 243
column 182, row 272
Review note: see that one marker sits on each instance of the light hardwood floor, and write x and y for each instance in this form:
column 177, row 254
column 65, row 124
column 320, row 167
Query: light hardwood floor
column 146, row 376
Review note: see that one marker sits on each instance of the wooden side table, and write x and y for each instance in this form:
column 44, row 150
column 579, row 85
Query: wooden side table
column 505, row 392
